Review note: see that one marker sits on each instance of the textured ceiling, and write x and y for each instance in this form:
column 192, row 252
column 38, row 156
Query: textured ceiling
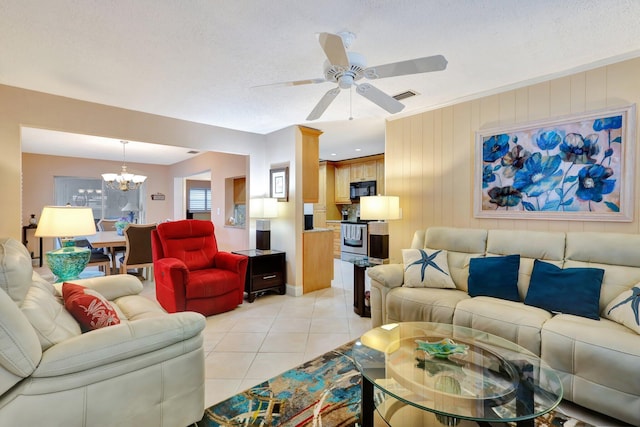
column 200, row 60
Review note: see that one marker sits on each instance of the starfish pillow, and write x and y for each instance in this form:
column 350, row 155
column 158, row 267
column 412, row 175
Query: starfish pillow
column 625, row 309
column 426, row 268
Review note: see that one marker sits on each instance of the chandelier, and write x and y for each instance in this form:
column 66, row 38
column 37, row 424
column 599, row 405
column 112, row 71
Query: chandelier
column 124, row 181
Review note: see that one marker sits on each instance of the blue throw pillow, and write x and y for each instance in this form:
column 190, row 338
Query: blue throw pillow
column 571, row 290
column 495, row 276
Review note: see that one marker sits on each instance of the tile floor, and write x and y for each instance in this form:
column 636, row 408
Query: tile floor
column 259, row 340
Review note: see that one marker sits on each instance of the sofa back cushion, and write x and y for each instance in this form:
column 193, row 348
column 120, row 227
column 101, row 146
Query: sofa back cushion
column 191, row 241
column 618, row 254
column 530, row 245
column 20, row 350
column 45, row 311
column 15, row 269
column 461, row 245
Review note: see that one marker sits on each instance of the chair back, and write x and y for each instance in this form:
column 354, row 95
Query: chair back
column 191, row 240
column 138, row 245
column 107, row 225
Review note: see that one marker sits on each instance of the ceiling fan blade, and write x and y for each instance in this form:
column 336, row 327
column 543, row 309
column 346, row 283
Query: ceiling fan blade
column 411, row 66
column 324, row 102
column 380, row 98
column 294, row 83
column 334, row 49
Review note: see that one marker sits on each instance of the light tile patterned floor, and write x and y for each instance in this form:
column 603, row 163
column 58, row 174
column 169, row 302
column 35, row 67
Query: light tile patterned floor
column 259, row 340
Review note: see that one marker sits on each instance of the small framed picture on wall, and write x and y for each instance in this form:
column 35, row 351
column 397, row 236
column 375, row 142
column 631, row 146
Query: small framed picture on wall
column 279, row 184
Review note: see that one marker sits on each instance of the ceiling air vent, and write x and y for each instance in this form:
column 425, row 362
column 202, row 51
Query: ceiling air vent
column 404, row 95
column 192, row 152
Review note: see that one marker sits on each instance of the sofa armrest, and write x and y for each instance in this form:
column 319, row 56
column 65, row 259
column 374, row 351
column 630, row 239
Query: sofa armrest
column 229, row 261
column 116, row 343
column 383, row 279
column 110, row 287
column 387, row 275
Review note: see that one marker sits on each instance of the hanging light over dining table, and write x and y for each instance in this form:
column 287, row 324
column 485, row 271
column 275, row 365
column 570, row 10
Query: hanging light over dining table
column 123, row 181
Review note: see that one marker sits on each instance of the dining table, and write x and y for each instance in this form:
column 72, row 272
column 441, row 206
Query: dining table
column 109, row 240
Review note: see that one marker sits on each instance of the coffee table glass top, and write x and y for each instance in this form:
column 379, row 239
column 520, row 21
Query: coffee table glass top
column 456, row 372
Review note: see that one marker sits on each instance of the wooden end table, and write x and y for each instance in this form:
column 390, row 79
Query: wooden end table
column 266, row 271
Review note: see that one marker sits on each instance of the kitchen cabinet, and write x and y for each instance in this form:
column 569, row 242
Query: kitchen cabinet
column 364, row 171
column 326, row 208
column 239, row 191
column 335, row 227
column 343, row 179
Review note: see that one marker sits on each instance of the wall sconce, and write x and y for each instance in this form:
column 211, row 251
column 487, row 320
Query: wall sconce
column 380, row 209
column 263, row 208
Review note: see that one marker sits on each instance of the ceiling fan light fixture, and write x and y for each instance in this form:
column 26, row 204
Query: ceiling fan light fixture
column 347, row 68
column 124, row 181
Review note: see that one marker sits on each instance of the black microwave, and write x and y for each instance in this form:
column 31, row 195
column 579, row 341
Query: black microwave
column 359, row 189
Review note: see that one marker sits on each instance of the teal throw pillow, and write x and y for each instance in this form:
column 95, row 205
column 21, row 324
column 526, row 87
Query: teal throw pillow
column 570, row 291
column 495, row 276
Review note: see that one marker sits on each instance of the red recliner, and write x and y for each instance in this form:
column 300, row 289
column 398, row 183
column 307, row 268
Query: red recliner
column 191, row 274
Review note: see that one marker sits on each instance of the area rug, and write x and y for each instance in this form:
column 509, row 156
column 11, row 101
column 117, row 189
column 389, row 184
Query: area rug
column 322, row 392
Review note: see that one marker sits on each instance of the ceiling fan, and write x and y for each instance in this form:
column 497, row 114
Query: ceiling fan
column 347, row 68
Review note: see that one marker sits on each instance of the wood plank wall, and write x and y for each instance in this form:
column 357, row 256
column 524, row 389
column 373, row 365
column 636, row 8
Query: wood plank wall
column 430, row 156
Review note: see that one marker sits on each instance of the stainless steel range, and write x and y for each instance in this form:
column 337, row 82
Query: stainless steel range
column 353, row 241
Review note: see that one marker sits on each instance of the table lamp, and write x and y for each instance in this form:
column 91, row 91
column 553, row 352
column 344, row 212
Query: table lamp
column 131, row 210
column 264, row 208
column 379, row 208
column 66, row 222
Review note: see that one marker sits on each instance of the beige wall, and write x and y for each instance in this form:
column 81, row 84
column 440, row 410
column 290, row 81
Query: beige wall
column 221, row 166
column 429, row 156
column 39, row 172
column 19, row 107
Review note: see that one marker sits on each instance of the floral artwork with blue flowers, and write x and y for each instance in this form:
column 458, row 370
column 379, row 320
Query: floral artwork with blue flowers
column 569, row 167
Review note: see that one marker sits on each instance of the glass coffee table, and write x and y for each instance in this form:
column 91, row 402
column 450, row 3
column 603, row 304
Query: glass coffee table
column 420, row 373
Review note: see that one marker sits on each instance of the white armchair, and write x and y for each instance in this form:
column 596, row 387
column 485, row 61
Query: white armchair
column 147, row 370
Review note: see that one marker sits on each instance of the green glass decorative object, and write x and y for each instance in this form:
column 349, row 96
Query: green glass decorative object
column 68, row 262
column 442, row 348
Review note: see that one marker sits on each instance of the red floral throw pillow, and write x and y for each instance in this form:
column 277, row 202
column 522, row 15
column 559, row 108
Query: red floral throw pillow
column 88, row 307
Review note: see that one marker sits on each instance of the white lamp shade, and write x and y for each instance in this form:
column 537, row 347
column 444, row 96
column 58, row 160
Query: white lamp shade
column 65, row 221
column 129, row 207
column 264, row 207
column 379, row 207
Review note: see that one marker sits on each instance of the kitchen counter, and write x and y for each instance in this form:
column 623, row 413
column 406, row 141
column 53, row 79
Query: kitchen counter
column 316, row 230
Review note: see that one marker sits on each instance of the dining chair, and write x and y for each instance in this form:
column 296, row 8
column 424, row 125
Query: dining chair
column 98, row 257
column 110, row 225
column 138, row 253
column 107, row 225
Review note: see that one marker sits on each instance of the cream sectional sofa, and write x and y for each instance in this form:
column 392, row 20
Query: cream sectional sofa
column 598, row 360
column 146, row 371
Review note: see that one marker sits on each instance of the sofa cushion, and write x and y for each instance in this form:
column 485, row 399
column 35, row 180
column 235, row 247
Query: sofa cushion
column 625, row 309
column 571, row 290
column 20, row 350
column 510, row 320
column 48, row 317
column 426, row 268
column 420, row 305
column 495, row 276
column 88, row 307
column 595, row 359
column 16, row 271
